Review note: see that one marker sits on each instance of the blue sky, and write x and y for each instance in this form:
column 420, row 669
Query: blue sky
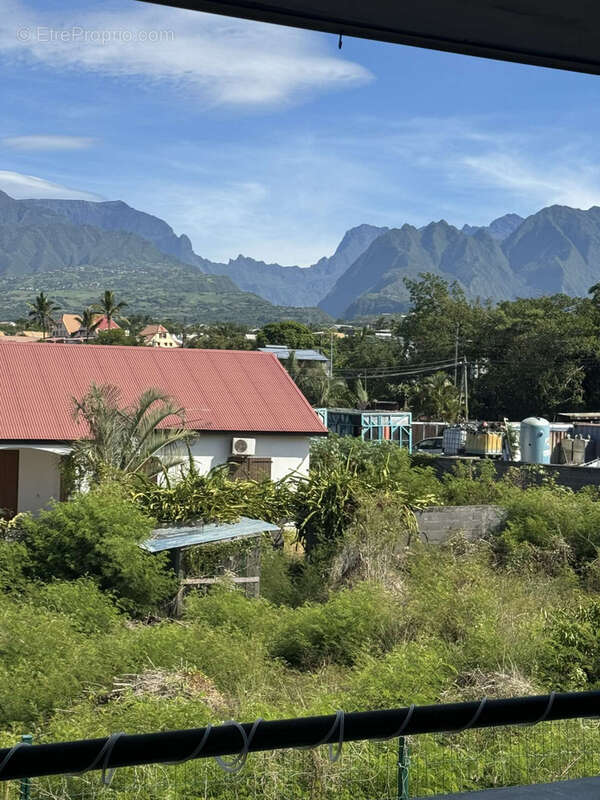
column 271, row 142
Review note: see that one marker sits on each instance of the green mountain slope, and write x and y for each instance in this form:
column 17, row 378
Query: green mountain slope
column 555, row 250
column 278, row 284
column 42, row 250
column 162, row 290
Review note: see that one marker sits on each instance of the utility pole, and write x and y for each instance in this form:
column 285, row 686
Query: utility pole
column 331, row 353
column 465, row 378
column 456, row 354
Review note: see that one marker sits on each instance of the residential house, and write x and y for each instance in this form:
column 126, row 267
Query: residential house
column 66, row 326
column 157, row 335
column 312, row 357
column 101, row 324
column 226, row 396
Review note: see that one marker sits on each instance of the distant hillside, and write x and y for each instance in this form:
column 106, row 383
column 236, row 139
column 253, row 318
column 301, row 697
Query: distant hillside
column 118, row 216
column 42, row 250
column 375, row 282
column 499, row 229
column 161, row 290
column 555, row 250
column 294, row 284
column 278, row 284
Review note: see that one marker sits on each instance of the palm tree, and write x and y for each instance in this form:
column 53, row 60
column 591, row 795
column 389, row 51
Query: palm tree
column 88, row 321
column 320, row 389
column 361, row 394
column 437, row 397
column 293, row 367
column 109, row 307
column 126, row 439
column 41, row 312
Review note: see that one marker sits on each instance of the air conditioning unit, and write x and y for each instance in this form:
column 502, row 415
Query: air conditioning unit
column 243, row 447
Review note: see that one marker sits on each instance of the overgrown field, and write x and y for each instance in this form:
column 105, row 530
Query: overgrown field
column 370, row 619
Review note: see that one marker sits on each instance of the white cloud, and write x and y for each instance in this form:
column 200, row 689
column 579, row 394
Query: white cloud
column 21, row 187
column 42, row 142
column 221, row 60
column 576, row 184
column 472, row 169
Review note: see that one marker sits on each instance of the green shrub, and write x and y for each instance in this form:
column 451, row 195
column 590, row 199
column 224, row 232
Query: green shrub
column 572, row 659
column 494, row 619
column 552, row 527
column 413, row 672
column 47, row 662
column 89, row 609
column 14, row 561
column 226, row 607
column 474, row 484
column 338, row 630
column 97, row 535
column 213, row 497
column 381, row 464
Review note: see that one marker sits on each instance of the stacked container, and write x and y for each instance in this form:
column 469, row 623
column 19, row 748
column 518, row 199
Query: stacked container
column 483, row 443
column 454, row 439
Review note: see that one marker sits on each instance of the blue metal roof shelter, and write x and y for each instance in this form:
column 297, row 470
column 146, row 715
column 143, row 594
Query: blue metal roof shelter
column 177, row 537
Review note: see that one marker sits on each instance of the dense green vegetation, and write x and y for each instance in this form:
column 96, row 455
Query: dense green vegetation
column 529, row 356
column 370, row 618
column 160, row 288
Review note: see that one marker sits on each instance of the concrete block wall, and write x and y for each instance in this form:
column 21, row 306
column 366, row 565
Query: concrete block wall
column 438, row 523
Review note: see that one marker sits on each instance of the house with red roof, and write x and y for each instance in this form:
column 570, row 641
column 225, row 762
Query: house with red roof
column 243, row 405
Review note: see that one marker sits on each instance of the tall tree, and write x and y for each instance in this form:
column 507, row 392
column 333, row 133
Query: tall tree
column 42, row 311
column 109, row 306
column 130, row 438
column 88, row 321
column 437, row 398
column 289, row 333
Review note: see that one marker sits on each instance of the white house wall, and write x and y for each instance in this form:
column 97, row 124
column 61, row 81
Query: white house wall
column 287, row 453
column 39, row 479
column 39, row 472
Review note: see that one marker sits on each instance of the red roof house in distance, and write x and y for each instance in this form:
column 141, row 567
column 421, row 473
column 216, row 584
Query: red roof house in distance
column 104, row 324
column 245, row 407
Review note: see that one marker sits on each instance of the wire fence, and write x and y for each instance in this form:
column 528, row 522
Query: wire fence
column 366, row 770
column 416, row 767
column 513, row 755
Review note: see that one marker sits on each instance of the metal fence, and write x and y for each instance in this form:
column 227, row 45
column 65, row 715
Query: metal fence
column 413, row 767
column 365, row 770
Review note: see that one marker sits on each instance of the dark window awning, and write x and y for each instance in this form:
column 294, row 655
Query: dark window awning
column 548, row 33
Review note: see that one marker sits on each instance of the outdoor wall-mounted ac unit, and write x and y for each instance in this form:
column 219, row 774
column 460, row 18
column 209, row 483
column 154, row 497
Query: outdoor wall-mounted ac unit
column 243, row 447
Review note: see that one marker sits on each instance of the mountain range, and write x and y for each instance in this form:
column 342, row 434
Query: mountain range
column 71, row 247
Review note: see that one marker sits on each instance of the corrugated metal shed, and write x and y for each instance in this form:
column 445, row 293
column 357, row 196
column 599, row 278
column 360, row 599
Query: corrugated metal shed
column 219, row 390
column 182, row 536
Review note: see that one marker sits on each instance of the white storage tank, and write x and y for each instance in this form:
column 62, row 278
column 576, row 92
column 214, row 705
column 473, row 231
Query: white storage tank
column 454, row 439
column 535, row 441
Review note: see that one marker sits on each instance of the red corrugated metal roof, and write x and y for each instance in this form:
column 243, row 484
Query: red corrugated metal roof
column 220, row 390
column 104, row 326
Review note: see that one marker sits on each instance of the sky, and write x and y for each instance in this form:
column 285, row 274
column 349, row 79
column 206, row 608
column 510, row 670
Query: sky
column 271, row 142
